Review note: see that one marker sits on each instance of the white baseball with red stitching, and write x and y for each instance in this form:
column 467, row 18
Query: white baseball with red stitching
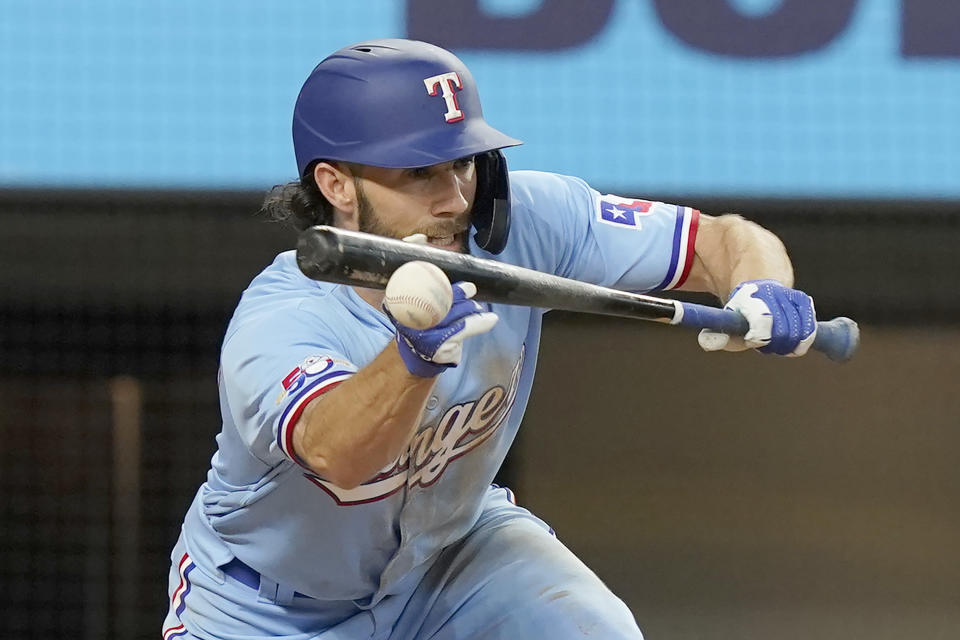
column 418, row 295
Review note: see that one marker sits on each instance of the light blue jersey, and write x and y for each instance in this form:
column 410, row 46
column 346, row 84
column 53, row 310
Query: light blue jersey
column 292, row 339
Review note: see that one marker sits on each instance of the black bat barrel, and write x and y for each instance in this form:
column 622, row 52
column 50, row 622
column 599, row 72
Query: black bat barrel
column 360, row 259
column 365, row 260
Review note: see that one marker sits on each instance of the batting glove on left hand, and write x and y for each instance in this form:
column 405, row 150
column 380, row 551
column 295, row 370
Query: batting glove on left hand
column 428, row 352
column 782, row 320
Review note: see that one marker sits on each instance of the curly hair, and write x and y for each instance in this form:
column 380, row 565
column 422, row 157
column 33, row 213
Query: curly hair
column 299, row 203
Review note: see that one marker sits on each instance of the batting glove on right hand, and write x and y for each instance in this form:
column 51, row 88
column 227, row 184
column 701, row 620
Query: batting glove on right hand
column 428, row 352
column 782, row 320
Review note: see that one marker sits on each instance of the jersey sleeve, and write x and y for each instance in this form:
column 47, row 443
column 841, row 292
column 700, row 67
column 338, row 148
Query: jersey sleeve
column 270, row 371
column 570, row 229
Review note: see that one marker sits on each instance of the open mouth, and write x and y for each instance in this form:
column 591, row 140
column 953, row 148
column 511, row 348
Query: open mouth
column 451, row 241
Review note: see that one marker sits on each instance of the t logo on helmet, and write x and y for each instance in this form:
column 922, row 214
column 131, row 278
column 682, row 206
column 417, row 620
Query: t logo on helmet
column 446, row 82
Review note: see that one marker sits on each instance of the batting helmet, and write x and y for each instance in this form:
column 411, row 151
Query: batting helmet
column 401, row 104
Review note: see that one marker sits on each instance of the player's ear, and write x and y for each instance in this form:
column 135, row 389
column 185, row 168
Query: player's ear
column 335, row 182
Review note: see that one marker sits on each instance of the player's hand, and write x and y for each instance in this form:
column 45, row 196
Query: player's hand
column 428, row 352
column 782, row 320
column 417, row 238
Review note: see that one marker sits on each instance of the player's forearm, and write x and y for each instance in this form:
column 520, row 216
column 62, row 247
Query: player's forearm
column 730, row 250
column 351, row 432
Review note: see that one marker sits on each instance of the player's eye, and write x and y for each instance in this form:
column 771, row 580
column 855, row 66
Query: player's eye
column 463, row 163
column 419, row 172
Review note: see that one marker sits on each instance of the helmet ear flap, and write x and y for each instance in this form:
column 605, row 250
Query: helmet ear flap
column 491, row 207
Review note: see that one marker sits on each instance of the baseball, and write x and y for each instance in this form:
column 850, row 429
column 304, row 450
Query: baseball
column 418, row 295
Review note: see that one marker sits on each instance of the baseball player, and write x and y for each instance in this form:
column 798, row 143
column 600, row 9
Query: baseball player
column 350, row 495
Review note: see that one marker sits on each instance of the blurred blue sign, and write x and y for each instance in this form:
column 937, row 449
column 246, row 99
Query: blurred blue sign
column 789, row 98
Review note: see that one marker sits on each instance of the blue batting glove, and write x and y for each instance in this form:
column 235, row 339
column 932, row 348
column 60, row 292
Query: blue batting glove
column 782, row 320
column 428, row 352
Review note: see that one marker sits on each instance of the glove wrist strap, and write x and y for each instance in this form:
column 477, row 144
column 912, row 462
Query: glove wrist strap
column 415, row 364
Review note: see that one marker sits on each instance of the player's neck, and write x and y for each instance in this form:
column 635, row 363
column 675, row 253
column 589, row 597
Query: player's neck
column 373, row 297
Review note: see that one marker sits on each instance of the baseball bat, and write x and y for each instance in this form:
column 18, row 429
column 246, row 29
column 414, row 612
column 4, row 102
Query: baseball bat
column 366, row 260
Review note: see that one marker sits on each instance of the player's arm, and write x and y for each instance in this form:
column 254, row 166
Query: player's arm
column 353, row 431
column 360, row 426
column 729, row 250
column 747, row 266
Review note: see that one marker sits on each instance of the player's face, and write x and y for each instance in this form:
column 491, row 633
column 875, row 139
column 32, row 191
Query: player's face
column 434, row 201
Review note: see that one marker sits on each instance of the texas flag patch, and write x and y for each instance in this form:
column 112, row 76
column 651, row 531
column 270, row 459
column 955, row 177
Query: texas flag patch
column 622, row 212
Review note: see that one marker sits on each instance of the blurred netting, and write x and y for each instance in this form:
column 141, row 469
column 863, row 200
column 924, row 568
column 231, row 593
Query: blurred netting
column 55, row 535
column 102, row 295
column 140, row 286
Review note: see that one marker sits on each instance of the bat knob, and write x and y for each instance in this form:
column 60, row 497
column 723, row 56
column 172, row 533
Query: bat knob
column 838, row 339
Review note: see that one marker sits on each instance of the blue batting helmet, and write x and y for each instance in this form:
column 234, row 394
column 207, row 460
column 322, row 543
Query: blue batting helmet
column 401, row 104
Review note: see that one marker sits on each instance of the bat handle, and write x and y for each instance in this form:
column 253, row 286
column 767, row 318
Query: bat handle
column 838, row 339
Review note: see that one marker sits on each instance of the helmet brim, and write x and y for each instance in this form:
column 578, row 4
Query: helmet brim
column 428, row 148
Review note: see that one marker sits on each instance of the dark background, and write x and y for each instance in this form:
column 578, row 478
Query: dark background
column 722, row 495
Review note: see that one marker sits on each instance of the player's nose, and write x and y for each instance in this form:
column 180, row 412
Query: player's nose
column 453, row 193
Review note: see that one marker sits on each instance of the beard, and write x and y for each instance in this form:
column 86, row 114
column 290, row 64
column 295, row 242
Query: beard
column 370, row 221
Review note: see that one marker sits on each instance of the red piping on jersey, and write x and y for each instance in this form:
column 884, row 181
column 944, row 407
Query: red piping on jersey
column 292, row 421
column 691, row 242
